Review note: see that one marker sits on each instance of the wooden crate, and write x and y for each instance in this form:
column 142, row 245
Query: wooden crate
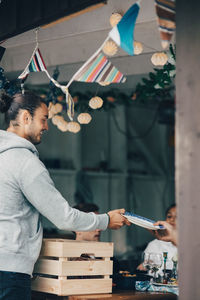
column 57, row 269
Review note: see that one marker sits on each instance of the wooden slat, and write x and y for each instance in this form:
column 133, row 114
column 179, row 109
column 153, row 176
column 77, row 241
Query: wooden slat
column 73, row 268
column 86, row 286
column 70, row 248
column 46, row 285
column 72, row 287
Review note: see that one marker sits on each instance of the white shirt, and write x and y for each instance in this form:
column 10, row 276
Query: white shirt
column 158, row 246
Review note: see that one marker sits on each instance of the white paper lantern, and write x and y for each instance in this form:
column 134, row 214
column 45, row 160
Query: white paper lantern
column 84, row 118
column 58, row 107
column 95, row 102
column 110, row 48
column 56, row 119
column 115, row 18
column 159, row 59
column 138, row 48
column 73, row 127
column 62, row 125
column 104, row 83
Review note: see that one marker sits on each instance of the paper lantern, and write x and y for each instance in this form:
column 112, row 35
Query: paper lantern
column 73, row 127
column 104, row 83
column 56, row 119
column 62, row 125
column 138, row 48
column 84, row 118
column 51, row 110
column 60, row 98
column 115, row 18
column 95, row 102
column 58, row 107
column 110, row 48
column 110, row 99
column 159, row 59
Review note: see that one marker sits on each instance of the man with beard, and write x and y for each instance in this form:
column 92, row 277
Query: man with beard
column 26, row 191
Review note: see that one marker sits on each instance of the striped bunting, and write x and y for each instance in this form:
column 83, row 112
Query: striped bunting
column 99, row 69
column 36, row 64
column 165, row 10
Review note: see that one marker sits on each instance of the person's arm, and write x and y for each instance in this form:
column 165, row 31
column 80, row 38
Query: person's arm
column 169, row 234
column 40, row 191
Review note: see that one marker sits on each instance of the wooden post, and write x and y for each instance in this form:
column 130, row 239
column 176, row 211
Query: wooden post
column 188, row 146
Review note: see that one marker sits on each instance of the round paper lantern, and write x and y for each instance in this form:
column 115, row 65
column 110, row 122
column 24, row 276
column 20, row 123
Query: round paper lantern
column 62, row 125
column 95, row 102
column 84, row 118
column 114, row 19
column 75, row 99
column 56, row 119
column 159, row 59
column 110, row 48
column 73, row 127
column 51, row 110
column 110, row 99
column 60, row 98
column 58, row 107
column 104, row 83
column 138, row 48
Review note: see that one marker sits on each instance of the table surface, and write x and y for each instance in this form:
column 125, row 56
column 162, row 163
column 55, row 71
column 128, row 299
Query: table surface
column 116, row 295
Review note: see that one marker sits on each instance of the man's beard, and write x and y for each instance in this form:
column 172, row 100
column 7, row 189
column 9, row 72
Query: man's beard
column 32, row 138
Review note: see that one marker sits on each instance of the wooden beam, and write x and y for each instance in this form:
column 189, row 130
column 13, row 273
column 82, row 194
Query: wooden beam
column 76, row 14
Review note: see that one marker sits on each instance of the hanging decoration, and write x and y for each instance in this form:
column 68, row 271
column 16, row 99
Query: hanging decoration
column 98, row 69
column 115, row 18
column 138, row 48
column 159, row 59
column 123, row 33
column 95, row 102
column 73, row 127
column 36, row 64
column 110, row 48
column 165, row 10
column 84, row 118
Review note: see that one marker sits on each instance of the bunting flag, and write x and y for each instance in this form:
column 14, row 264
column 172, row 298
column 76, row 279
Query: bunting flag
column 99, row 69
column 123, row 33
column 36, row 64
column 165, row 10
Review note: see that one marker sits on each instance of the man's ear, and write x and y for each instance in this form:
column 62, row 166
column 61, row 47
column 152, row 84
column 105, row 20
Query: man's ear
column 26, row 117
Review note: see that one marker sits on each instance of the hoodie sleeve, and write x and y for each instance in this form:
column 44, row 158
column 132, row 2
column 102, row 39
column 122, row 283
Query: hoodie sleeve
column 39, row 190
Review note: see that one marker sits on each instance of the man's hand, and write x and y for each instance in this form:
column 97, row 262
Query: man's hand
column 116, row 219
column 169, row 234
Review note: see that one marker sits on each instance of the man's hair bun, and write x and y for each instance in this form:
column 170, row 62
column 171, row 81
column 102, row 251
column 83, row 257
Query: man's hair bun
column 5, row 102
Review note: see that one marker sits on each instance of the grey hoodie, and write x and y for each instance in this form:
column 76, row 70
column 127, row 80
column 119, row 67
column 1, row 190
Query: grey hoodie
column 26, row 190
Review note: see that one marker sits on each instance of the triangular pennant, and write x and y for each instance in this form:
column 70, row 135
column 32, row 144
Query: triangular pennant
column 165, row 10
column 123, row 33
column 36, row 64
column 99, row 69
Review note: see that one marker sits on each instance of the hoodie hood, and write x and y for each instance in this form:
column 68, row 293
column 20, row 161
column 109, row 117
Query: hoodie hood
column 9, row 140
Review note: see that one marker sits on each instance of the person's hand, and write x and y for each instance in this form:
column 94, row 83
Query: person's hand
column 141, row 268
column 116, row 219
column 169, row 234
